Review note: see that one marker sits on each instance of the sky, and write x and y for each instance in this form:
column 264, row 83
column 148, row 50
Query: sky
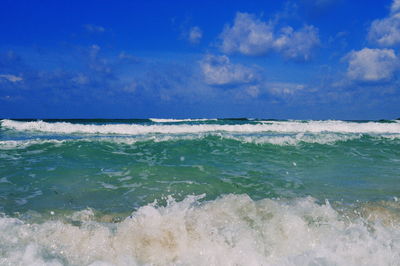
column 305, row 59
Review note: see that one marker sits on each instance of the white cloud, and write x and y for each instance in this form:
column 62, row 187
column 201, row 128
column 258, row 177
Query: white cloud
column 94, row 50
column 386, row 31
column 253, row 91
column 195, row 35
column 80, row 79
column 251, row 36
column 299, row 44
column 372, row 64
column 395, row 6
column 130, row 87
column 248, row 36
column 128, row 58
column 284, row 88
column 11, row 78
column 218, row 70
column 94, row 28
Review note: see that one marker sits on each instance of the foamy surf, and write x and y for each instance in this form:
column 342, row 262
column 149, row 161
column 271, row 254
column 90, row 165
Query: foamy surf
column 287, row 140
column 268, row 126
column 231, row 230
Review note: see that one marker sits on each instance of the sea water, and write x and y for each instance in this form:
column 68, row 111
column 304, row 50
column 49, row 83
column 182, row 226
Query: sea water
column 199, row 192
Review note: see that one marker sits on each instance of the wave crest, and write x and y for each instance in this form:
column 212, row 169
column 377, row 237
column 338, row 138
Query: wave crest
column 269, row 126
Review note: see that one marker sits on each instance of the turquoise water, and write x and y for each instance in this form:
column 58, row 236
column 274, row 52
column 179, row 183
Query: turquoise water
column 200, row 192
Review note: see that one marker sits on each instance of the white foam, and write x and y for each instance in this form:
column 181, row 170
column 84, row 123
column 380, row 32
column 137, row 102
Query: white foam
column 232, row 230
column 287, row 140
column 269, row 126
column 21, row 144
column 292, row 140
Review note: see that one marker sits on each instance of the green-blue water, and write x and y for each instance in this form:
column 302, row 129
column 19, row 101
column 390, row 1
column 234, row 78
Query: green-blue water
column 53, row 170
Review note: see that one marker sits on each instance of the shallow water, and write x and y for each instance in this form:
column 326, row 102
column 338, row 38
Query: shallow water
column 199, row 192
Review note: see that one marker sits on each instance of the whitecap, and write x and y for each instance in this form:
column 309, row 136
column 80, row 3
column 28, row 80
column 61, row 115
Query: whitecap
column 267, row 126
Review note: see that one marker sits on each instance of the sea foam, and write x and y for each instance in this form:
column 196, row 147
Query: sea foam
column 267, row 126
column 231, row 230
column 283, row 140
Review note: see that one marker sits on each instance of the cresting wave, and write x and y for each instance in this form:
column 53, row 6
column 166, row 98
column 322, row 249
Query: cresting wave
column 274, row 140
column 287, row 140
column 269, row 126
column 231, row 230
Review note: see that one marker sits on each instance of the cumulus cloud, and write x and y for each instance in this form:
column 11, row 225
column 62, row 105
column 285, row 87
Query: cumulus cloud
column 250, row 36
column 372, row 64
column 218, row 70
column 297, row 45
column 10, row 78
column 195, row 35
column 386, row 31
column 395, row 6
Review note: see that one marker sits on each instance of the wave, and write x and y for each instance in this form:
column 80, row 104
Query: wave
column 165, row 120
column 264, row 126
column 287, row 140
column 21, row 144
column 231, row 230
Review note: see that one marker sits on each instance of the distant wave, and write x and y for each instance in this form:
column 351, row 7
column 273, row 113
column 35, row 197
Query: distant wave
column 263, row 126
column 165, row 120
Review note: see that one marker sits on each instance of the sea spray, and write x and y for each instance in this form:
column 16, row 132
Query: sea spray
column 231, row 230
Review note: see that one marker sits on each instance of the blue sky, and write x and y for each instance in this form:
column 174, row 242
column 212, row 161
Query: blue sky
column 305, row 59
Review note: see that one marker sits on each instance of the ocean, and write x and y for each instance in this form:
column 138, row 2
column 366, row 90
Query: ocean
column 199, row 192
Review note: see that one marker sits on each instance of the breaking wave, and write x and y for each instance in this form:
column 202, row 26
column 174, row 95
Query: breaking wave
column 231, row 230
column 285, row 140
column 257, row 127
